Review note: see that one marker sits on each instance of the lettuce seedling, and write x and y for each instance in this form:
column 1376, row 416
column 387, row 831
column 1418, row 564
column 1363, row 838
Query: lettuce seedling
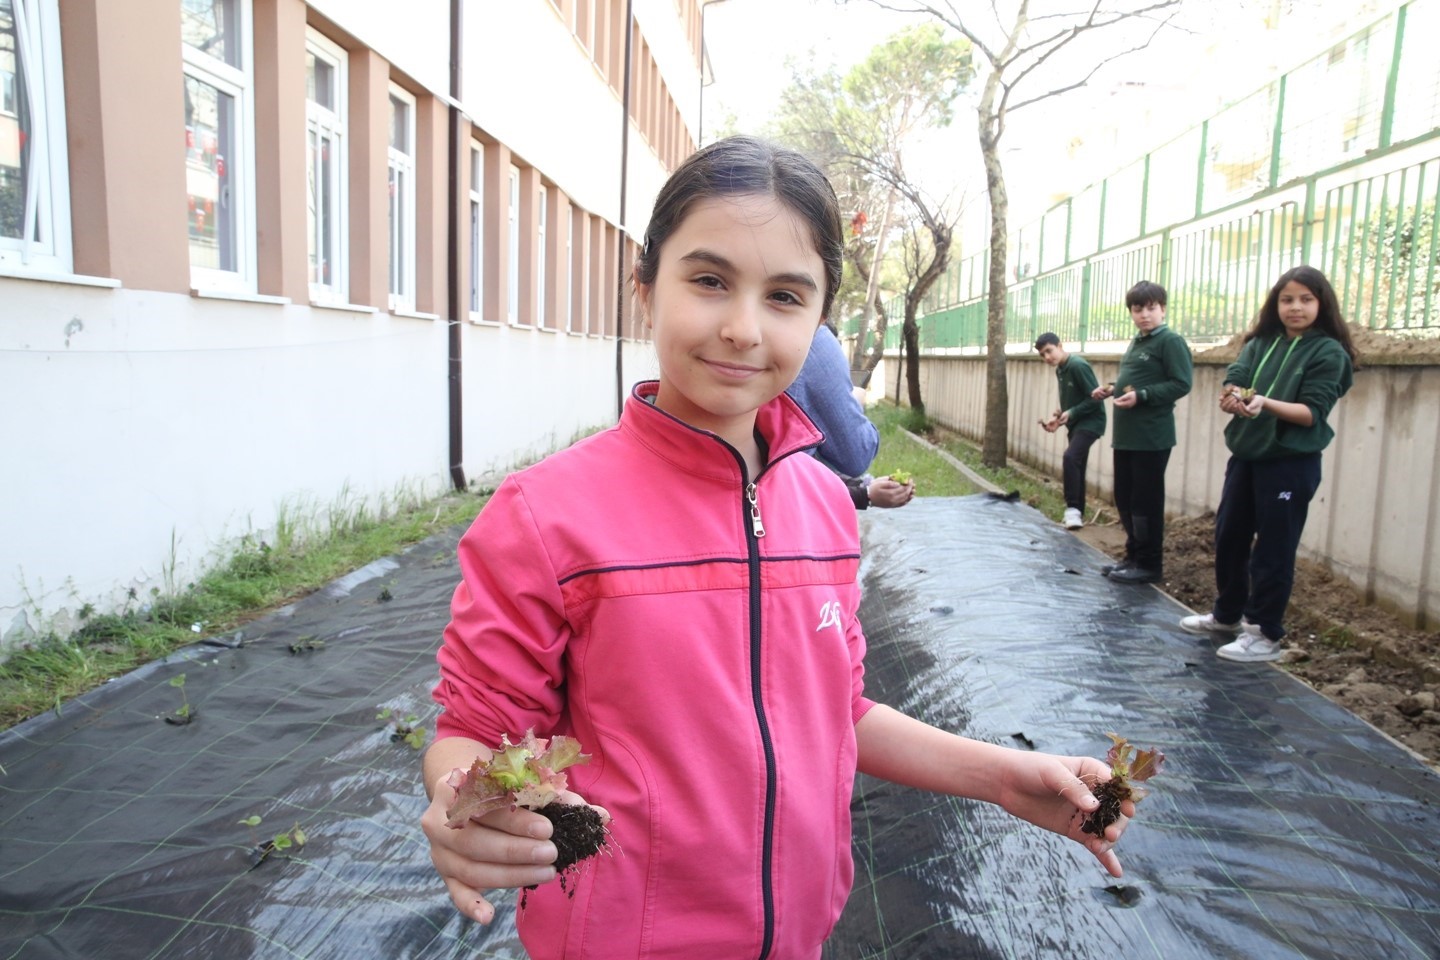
column 901, row 476
column 529, row 774
column 1128, row 769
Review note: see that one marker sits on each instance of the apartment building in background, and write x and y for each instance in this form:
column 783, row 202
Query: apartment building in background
column 270, row 259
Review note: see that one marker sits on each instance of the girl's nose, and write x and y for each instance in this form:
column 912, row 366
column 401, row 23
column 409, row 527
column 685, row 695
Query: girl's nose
column 742, row 325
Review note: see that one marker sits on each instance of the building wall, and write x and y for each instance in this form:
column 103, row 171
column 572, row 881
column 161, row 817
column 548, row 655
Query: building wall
column 155, row 417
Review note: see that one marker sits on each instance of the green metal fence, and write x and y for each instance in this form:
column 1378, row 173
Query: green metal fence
column 1336, row 163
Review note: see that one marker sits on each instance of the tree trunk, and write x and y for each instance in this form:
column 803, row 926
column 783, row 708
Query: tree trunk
column 872, row 291
column 910, row 332
column 996, row 444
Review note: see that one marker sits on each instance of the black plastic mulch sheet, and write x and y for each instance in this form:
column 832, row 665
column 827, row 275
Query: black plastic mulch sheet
column 1282, row 826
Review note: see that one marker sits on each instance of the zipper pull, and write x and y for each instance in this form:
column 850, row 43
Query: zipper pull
column 756, row 526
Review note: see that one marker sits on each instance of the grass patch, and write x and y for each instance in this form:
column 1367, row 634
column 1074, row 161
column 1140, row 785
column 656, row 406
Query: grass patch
column 934, row 475
column 258, row 577
column 1043, row 493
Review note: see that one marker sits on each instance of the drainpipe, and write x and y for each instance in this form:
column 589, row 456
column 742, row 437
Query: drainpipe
column 620, row 246
column 452, row 259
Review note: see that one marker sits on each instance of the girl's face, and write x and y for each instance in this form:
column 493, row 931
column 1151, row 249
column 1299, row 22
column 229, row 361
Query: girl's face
column 735, row 303
column 1298, row 308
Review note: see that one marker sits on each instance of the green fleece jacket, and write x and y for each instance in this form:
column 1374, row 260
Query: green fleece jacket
column 1315, row 371
column 1077, row 381
column 1157, row 364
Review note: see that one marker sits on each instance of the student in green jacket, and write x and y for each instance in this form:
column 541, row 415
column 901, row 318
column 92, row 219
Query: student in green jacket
column 1080, row 414
column 1297, row 361
column 1154, row 373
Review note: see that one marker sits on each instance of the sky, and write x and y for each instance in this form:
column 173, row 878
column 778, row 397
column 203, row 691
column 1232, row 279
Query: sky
column 1133, row 104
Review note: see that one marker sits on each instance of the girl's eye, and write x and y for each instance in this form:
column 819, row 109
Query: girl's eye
column 786, row 297
column 708, row 281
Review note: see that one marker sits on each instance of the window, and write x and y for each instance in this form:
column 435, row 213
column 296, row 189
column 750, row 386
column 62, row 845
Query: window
column 325, row 186
column 513, row 274
column 542, row 200
column 569, row 270
column 34, row 196
column 477, row 233
column 402, row 200
column 219, row 169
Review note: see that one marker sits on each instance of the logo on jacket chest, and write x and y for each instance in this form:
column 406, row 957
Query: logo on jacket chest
column 830, row 616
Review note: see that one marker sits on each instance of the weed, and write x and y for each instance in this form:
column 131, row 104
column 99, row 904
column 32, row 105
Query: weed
column 183, row 714
column 1338, row 637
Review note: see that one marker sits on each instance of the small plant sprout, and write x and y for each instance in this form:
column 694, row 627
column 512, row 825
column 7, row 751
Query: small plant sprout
column 306, row 644
column 1128, row 769
column 286, row 840
column 406, row 729
column 528, row 774
column 183, row 714
column 901, row 476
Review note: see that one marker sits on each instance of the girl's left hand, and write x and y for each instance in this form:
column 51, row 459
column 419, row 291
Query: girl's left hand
column 1054, row 793
column 1254, row 405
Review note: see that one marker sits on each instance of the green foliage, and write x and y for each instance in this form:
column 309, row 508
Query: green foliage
column 406, row 729
column 933, row 475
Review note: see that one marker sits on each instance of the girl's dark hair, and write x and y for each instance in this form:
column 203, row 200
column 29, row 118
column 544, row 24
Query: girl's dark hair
column 748, row 165
column 1327, row 319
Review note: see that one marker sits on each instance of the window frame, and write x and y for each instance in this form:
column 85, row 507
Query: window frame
column 331, row 122
column 239, row 84
column 477, row 230
column 542, row 212
column 402, row 235
column 512, row 293
column 48, row 250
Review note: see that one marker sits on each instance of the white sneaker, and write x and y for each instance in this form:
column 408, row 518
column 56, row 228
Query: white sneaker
column 1205, row 624
column 1251, row 646
column 1073, row 519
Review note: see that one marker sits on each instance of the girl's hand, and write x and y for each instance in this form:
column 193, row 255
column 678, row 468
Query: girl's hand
column 1054, row 793
column 504, row 848
column 1253, row 406
column 1231, row 403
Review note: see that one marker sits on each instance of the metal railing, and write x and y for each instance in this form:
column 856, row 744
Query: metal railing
column 1336, row 163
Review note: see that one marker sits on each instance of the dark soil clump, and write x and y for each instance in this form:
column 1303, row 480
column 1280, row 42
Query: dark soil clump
column 579, row 833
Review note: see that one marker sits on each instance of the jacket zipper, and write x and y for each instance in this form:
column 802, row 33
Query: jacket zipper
column 767, row 883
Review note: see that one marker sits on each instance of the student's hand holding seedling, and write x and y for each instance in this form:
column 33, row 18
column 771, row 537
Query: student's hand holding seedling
column 1049, row 791
column 1103, row 392
column 503, row 847
column 888, row 492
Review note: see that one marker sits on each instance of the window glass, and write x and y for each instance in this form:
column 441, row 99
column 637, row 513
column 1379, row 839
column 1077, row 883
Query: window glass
column 209, row 140
column 16, row 129
column 325, row 188
column 209, row 27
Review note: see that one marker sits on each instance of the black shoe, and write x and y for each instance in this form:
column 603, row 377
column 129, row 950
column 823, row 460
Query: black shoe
column 1110, row 568
column 1135, row 575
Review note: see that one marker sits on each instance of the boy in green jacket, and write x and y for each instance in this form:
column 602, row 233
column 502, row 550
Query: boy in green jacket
column 1081, row 414
column 1154, row 373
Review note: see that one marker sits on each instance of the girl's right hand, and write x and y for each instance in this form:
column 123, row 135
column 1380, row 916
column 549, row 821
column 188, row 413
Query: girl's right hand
column 504, row 848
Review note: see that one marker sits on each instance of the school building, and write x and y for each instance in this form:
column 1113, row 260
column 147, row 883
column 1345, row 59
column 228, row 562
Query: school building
column 273, row 261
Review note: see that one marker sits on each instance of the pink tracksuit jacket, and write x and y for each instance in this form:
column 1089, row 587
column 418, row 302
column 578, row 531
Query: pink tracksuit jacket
column 698, row 635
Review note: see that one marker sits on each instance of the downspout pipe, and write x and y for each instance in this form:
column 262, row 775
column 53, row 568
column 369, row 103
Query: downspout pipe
column 624, row 182
column 452, row 242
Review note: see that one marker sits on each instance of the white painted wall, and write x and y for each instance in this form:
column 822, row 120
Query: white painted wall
column 422, row 49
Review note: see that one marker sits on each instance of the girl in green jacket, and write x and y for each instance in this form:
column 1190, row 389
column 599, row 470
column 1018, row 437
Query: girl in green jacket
column 1297, row 361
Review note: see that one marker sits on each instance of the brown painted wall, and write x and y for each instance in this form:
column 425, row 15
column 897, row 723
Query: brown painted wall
column 125, row 109
column 280, row 177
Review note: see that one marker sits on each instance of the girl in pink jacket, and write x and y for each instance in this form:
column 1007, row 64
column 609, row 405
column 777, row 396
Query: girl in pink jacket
column 679, row 594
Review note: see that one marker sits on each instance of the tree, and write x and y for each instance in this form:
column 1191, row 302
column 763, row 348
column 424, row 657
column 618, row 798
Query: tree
column 1011, row 58
column 861, row 127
